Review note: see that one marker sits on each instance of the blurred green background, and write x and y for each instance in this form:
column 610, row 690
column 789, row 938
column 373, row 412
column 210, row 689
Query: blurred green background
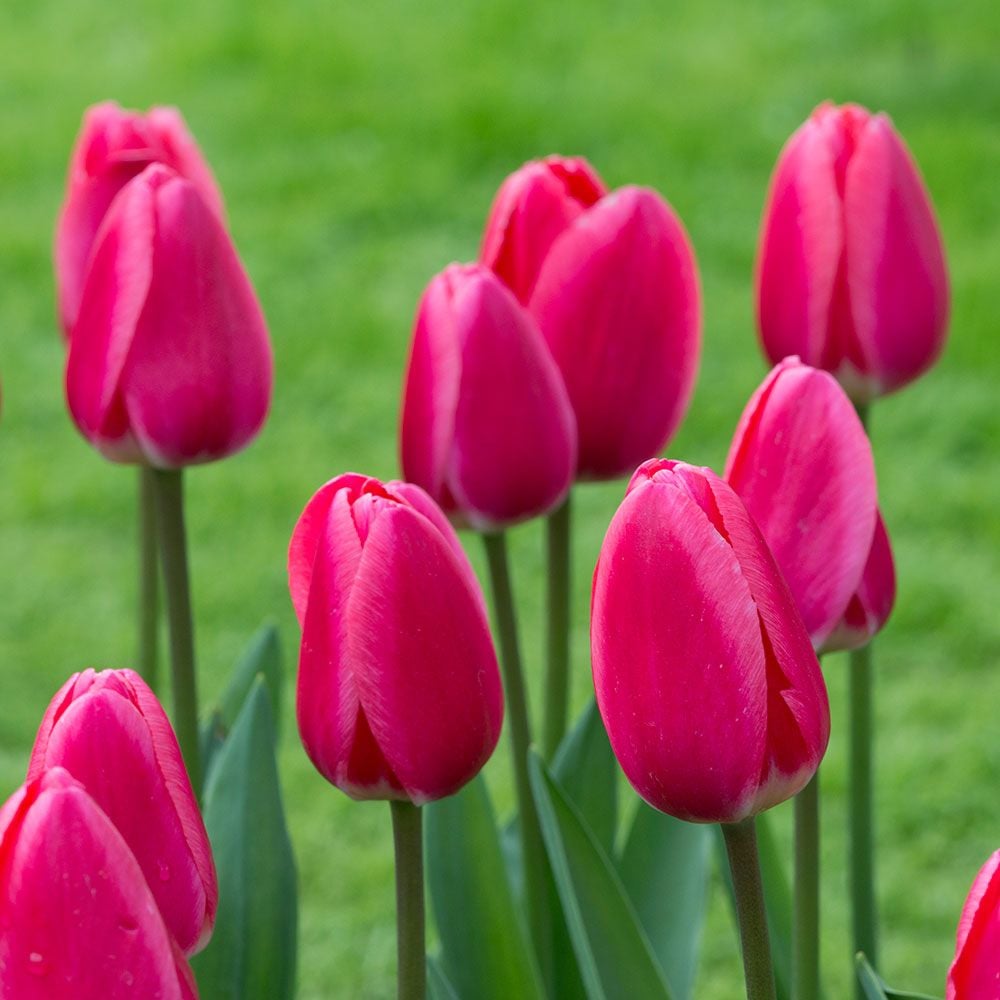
column 358, row 147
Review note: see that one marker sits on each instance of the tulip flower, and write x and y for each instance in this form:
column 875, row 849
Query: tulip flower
column 802, row 463
column 871, row 604
column 533, row 206
column 115, row 145
column 850, row 271
column 975, row 972
column 77, row 915
column 487, row 429
column 109, row 732
column 707, row 682
column 618, row 302
column 398, row 695
column 169, row 361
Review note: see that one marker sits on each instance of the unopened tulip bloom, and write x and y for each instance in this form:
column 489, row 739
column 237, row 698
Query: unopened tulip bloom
column 487, row 429
column 108, row 730
column 399, row 695
column 975, row 972
column 533, row 206
column 707, row 682
column 802, row 463
column 619, row 304
column 77, row 916
column 850, row 271
column 169, row 361
column 115, row 145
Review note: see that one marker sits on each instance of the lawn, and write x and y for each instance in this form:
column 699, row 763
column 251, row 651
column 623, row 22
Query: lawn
column 358, row 147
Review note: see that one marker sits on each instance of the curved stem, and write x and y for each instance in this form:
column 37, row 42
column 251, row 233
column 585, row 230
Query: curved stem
column 168, row 486
column 407, row 836
column 532, row 849
column 557, row 529
column 805, row 948
column 741, row 846
column 149, row 596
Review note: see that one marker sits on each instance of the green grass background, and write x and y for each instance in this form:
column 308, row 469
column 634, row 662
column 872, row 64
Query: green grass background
column 358, row 146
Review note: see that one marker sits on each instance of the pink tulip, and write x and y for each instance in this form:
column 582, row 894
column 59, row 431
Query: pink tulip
column 399, row 695
column 533, row 206
column 975, row 972
column 77, row 916
column 706, row 680
column 487, row 429
column 871, row 604
column 108, row 730
column 618, row 301
column 169, row 360
column 802, row 463
column 850, row 270
column 115, row 145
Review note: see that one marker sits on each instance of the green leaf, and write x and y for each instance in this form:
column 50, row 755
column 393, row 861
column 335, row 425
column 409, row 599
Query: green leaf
column 614, row 955
column 252, row 953
column 875, row 988
column 438, row 987
column 586, row 769
column 665, row 867
column 484, row 949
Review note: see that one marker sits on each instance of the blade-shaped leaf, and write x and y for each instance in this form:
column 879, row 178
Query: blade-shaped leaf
column 875, row 988
column 252, row 952
column 614, row 955
column 665, row 866
column 586, row 769
column 438, row 987
column 484, row 950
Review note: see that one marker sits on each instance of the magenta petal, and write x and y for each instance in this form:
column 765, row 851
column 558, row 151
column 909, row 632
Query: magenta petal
column 181, row 152
column 975, row 971
column 424, row 662
column 618, row 302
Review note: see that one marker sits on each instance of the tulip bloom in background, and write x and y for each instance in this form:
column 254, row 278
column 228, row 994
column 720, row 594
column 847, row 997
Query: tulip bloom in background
column 399, row 697
column 109, row 732
column 78, row 917
column 975, row 972
column 850, row 270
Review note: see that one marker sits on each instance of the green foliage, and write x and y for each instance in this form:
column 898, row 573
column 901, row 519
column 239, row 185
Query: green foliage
column 875, row 988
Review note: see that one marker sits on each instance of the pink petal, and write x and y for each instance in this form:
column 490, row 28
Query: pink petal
column 975, row 972
column 181, row 152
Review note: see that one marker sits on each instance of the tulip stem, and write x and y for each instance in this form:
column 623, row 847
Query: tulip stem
column 168, row 486
column 149, row 596
column 744, row 863
column 863, row 909
column 533, row 853
column 407, row 836
column 557, row 528
column 805, row 934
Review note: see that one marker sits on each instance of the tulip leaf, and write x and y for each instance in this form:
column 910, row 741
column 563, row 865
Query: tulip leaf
column 665, row 866
column 438, row 986
column 614, row 955
column 484, row 948
column 586, row 769
column 875, row 988
column 252, row 952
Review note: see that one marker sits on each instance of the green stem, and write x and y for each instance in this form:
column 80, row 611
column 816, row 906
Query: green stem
column 741, row 846
column 168, row 485
column 410, row 937
column 805, row 949
column 149, row 597
column 532, row 849
column 862, row 868
column 557, row 528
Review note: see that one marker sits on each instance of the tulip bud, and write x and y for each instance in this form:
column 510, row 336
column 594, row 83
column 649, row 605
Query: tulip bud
column 77, row 915
column 533, row 206
column 169, row 361
column 975, row 972
column 487, row 428
column 802, row 463
column 871, row 604
column 706, row 680
column 399, row 695
column 109, row 732
column 618, row 302
column 850, row 269
column 115, row 145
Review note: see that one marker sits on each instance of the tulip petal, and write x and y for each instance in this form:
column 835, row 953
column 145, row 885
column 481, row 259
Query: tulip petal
column 181, row 153
column 975, row 971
